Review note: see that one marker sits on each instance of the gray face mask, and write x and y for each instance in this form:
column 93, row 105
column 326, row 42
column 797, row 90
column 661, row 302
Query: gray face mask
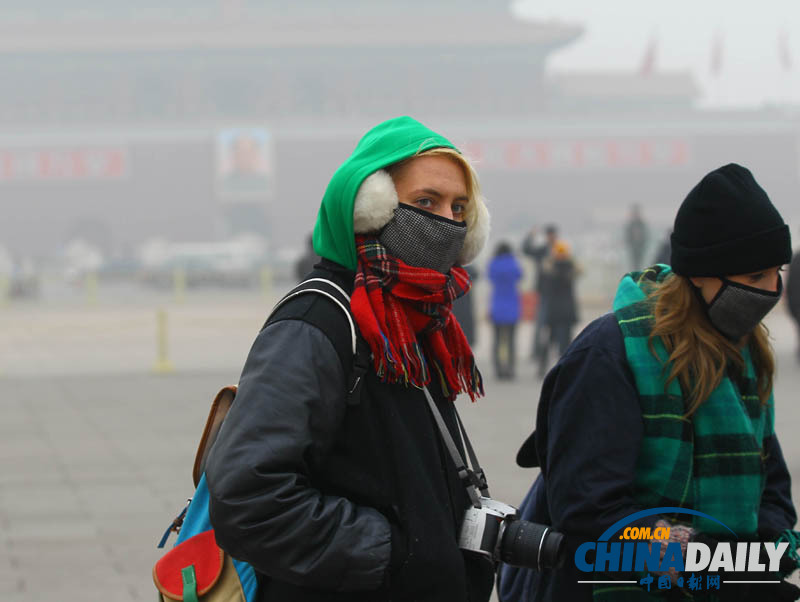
column 422, row 239
column 737, row 309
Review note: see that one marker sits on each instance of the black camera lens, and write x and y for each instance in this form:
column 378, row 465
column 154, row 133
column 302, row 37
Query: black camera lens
column 531, row 545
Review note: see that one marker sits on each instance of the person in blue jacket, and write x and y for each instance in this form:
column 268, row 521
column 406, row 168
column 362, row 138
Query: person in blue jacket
column 666, row 404
column 504, row 308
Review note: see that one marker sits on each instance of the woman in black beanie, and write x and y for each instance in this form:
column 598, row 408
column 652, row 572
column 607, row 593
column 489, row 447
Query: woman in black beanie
column 666, row 403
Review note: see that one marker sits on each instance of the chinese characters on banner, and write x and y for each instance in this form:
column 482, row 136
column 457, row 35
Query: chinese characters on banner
column 49, row 164
column 579, row 154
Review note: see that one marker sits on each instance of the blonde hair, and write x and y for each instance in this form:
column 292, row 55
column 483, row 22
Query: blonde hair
column 471, row 211
column 698, row 353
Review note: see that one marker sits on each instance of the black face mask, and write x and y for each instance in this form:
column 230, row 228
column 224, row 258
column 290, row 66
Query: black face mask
column 737, row 309
column 422, row 239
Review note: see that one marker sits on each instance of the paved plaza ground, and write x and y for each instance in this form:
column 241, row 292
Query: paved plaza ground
column 96, row 449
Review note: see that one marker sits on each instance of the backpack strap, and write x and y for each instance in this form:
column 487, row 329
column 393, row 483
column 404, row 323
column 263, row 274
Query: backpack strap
column 329, row 289
column 317, row 301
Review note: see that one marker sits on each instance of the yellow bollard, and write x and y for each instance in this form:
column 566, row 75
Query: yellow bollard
column 162, row 365
column 91, row 288
column 266, row 282
column 179, row 284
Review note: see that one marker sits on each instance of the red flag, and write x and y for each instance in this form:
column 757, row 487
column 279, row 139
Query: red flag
column 784, row 54
column 716, row 55
column 649, row 59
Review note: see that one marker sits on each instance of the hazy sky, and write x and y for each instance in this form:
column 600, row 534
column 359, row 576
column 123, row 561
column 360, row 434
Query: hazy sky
column 618, row 33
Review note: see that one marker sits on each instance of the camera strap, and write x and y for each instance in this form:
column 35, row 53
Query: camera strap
column 482, row 483
column 473, row 479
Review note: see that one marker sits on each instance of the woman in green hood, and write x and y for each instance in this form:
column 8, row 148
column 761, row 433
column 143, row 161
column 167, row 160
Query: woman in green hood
column 330, row 476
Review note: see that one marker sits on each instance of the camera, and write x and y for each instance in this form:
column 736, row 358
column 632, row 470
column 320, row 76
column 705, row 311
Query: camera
column 493, row 530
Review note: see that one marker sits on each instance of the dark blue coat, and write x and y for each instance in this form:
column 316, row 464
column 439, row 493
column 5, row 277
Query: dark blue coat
column 588, row 433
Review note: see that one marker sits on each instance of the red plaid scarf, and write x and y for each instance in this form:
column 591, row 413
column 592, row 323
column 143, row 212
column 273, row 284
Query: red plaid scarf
column 404, row 313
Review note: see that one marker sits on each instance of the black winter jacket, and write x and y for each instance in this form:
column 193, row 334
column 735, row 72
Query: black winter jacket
column 559, row 288
column 538, row 253
column 588, row 432
column 330, row 501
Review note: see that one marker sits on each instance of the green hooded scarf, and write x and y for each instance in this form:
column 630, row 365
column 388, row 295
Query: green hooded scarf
column 385, row 144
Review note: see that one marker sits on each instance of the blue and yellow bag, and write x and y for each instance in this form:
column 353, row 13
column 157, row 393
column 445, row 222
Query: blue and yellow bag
column 197, row 569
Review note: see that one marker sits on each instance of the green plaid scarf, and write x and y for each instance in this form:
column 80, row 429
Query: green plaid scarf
column 711, row 462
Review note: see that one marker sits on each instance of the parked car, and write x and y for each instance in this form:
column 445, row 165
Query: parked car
column 234, row 263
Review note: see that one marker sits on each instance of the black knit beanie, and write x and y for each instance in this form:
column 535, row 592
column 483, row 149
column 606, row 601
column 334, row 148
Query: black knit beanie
column 726, row 226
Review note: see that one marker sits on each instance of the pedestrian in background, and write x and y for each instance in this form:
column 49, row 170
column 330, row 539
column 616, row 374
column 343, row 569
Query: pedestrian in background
column 560, row 272
column 636, row 238
column 667, row 403
column 464, row 308
column 504, row 309
column 538, row 251
column 793, row 296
